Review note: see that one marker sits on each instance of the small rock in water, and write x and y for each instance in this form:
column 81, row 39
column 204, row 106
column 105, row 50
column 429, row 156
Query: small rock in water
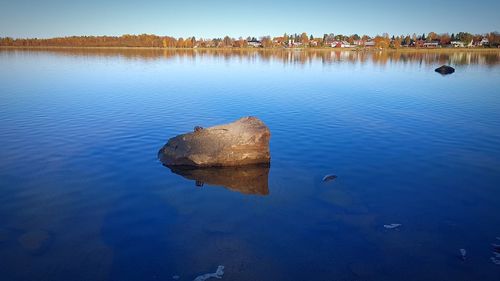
column 329, row 178
column 445, row 69
column 463, row 254
column 176, row 277
column 392, row 226
column 495, row 261
column 217, row 274
column 35, row 241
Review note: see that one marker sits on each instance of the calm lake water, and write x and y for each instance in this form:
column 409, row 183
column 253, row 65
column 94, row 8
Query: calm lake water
column 84, row 197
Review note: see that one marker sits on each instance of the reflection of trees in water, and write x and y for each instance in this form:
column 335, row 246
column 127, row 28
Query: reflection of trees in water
column 285, row 56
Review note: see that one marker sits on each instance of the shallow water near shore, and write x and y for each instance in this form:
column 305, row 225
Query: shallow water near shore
column 84, row 197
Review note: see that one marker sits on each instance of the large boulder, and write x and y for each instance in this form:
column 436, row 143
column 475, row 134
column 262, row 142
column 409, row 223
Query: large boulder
column 243, row 142
column 445, row 69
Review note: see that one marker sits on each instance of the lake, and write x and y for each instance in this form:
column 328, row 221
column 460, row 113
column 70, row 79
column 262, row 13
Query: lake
column 84, row 197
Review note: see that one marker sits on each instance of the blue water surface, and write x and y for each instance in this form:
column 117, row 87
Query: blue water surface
column 84, row 197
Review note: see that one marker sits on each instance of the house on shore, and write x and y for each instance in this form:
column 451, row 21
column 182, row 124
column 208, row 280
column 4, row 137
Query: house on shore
column 294, row 44
column 340, row 44
column 457, row 44
column 358, row 42
column 481, row 43
column 431, row 45
column 369, row 43
column 313, row 43
column 254, row 43
column 279, row 42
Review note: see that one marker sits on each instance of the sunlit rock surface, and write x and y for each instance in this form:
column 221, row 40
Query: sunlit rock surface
column 243, row 142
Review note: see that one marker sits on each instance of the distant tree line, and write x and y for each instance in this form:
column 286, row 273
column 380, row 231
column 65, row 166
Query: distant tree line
column 302, row 40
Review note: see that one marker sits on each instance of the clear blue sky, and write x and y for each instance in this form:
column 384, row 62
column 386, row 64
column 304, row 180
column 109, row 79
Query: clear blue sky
column 216, row 18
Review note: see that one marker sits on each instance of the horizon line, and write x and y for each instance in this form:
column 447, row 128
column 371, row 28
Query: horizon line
column 241, row 36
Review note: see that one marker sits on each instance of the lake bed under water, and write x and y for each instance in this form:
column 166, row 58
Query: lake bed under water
column 84, row 197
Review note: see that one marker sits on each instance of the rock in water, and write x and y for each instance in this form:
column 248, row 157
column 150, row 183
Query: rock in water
column 35, row 241
column 445, row 69
column 329, row 178
column 463, row 254
column 245, row 141
column 217, row 274
column 392, row 226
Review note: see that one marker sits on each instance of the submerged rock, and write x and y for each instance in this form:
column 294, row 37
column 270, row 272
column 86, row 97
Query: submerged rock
column 248, row 179
column 329, row 178
column 217, row 274
column 245, row 141
column 35, row 241
column 463, row 254
column 495, row 260
column 445, row 69
column 392, row 226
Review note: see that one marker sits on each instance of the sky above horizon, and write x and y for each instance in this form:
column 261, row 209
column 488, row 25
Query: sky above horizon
column 217, row 18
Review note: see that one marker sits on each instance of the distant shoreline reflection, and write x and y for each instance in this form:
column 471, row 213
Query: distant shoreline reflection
column 454, row 57
column 248, row 179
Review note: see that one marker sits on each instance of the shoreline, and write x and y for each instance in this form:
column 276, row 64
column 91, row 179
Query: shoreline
column 425, row 50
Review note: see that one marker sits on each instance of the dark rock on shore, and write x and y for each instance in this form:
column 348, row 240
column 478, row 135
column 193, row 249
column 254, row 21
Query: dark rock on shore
column 243, row 142
column 445, row 69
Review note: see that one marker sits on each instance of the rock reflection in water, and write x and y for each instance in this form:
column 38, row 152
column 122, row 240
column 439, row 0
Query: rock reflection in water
column 248, row 179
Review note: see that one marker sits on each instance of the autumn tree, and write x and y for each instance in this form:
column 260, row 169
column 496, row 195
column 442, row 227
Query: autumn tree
column 180, row 43
column 464, row 37
column 431, row 36
column 494, row 39
column 227, row 41
column 396, row 43
column 407, row 40
column 444, row 39
column 240, row 43
column 286, row 38
column 303, row 38
column 266, row 41
column 382, row 42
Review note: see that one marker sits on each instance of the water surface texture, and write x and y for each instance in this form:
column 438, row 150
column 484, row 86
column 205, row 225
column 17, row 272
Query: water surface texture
column 84, row 197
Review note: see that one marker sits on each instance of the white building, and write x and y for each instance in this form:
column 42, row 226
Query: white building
column 431, row 45
column 484, row 41
column 457, row 44
column 254, row 43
